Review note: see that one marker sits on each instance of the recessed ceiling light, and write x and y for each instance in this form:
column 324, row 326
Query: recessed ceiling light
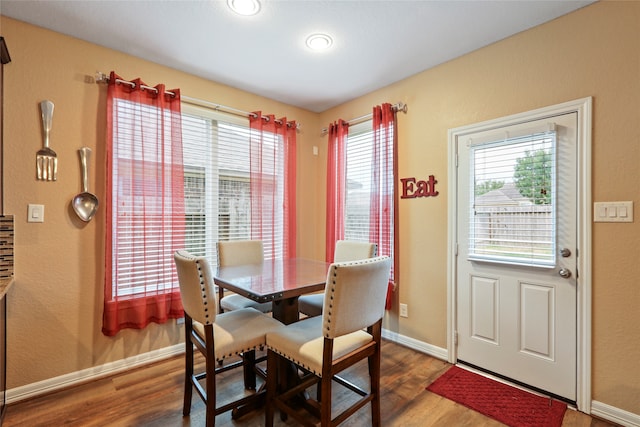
column 319, row 41
column 244, row 7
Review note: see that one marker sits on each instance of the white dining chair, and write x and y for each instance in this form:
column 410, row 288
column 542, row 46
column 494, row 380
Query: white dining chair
column 348, row 331
column 345, row 250
column 217, row 336
column 239, row 252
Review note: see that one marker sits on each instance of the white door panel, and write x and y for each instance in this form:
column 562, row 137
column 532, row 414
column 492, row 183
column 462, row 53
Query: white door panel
column 515, row 319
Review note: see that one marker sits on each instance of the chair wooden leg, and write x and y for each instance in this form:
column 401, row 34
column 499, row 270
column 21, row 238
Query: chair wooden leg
column 374, row 371
column 210, row 369
column 248, row 366
column 272, row 378
column 325, row 400
column 188, row 371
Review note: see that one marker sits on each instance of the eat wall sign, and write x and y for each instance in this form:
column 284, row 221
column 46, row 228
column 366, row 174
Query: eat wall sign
column 413, row 188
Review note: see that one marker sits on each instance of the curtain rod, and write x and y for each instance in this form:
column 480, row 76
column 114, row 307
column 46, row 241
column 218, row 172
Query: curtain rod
column 400, row 106
column 103, row 78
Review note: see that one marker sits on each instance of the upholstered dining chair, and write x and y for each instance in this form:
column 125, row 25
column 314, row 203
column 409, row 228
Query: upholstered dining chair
column 216, row 336
column 348, row 331
column 239, row 252
column 345, row 250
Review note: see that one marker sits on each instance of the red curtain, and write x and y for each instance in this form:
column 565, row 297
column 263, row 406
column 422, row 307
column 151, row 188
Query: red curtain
column 384, row 215
column 336, row 185
column 273, row 161
column 145, row 212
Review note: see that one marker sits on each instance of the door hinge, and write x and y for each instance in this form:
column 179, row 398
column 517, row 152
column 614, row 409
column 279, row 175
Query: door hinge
column 455, row 338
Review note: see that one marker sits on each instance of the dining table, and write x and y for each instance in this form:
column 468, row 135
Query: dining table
column 280, row 281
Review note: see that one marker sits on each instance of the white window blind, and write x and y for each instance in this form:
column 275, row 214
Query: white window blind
column 512, row 215
column 216, row 163
column 270, row 185
column 217, row 182
column 358, row 181
column 216, row 191
column 141, row 229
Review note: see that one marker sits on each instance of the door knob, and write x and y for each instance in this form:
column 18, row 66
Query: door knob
column 564, row 272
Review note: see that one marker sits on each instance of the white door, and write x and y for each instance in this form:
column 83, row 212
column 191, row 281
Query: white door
column 516, row 278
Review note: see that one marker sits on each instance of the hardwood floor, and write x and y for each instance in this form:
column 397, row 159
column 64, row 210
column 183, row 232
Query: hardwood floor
column 152, row 396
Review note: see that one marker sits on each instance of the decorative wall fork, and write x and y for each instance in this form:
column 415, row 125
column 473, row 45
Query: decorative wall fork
column 46, row 158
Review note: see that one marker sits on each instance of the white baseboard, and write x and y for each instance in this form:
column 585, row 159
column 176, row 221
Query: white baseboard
column 615, row 415
column 74, row 378
column 423, row 347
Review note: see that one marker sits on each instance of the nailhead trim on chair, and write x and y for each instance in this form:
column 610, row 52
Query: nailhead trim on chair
column 333, row 287
column 329, row 312
column 203, row 289
column 297, row 362
column 331, row 292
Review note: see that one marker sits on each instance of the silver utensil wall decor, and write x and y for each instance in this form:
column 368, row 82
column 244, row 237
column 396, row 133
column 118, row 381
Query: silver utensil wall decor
column 85, row 204
column 46, row 158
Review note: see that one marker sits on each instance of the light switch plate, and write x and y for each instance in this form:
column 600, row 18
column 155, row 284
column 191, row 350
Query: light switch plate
column 35, row 213
column 613, row 211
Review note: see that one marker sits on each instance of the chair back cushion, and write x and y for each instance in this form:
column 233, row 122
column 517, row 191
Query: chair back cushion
column 348, row 250
column 239, row 252
column 197, row 290
column 355, row 295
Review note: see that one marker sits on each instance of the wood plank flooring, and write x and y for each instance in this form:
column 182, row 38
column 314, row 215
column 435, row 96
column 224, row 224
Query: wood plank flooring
column 152, row 396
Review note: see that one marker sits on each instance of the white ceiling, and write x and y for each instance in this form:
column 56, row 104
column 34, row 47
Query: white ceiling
column 376, row 43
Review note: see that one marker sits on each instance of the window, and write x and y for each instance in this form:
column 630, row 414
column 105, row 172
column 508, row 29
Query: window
column 184, row 179
column 361, row 177
column 369, row 195
column 358, row 182
column 217, row 200
column 144, row 206
column 512, row 219
column 217, row 182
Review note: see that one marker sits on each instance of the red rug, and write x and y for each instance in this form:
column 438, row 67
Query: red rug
column 504, row 403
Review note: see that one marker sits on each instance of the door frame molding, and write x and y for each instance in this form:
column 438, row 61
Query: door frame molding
column 583, row 108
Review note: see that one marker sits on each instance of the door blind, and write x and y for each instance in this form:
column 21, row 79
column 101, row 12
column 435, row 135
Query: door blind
column 512, row 217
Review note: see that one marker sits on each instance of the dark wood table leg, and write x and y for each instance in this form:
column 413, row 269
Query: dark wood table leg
column 286, row 310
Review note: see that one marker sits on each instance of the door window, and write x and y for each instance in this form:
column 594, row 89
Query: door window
column 512, row 208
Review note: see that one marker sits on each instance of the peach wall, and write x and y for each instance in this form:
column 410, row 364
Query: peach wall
column 592, row 52
column 55, row 307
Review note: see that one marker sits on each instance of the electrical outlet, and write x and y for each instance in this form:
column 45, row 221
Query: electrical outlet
column 404, row 310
